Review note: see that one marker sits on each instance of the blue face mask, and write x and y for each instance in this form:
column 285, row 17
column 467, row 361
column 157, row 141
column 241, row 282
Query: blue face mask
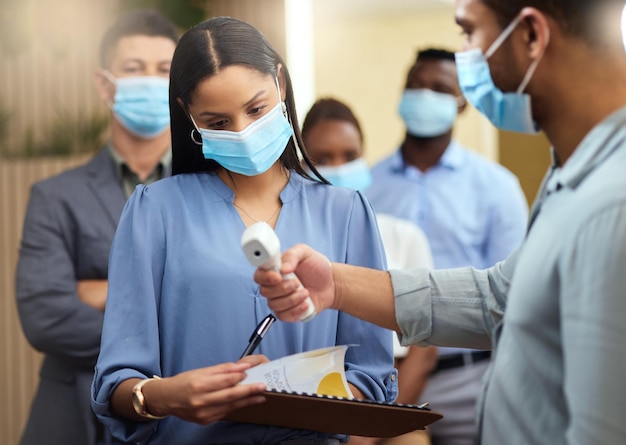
column 253, row 150
column 507, row 111
column 427, row 113
column 354, row 174
column 141, row 104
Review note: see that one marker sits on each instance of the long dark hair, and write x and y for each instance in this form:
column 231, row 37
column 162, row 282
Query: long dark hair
column 201, row 52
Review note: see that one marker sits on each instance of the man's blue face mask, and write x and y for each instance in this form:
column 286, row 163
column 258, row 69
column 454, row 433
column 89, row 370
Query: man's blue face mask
column 427, row 113
column 141, row 104
column 507, row 111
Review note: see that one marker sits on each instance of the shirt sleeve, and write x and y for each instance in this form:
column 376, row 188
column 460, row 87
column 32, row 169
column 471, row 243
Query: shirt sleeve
column 53, row 318
column 593, row 332
column 369, row 366
column 452, row 307
column 130, row 338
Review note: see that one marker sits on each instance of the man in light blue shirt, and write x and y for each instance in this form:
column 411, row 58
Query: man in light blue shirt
column 471, row 209
column 554, row 310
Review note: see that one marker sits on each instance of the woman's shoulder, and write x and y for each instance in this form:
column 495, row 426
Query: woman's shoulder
column 175, row 188
column 332, row 201
column 181, row 181
column 317, row 188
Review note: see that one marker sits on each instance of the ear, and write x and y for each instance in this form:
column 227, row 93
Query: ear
column 462, row 104
column 104, row 87
column 537, row 31
column 282, row 82
column 185, row 109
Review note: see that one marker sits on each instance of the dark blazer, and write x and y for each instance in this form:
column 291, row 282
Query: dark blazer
column 68, row 230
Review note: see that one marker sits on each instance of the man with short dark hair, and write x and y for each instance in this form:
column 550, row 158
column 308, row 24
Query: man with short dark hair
column 554, row 310
column 70, row 222
column 471, row 209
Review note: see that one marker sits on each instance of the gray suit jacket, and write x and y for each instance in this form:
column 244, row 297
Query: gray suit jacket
column 68, row 229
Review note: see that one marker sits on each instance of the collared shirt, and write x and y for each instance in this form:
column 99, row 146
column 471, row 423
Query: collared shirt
column 554, row 310
column 471, row 209
column 181, row 296
column 129, row 178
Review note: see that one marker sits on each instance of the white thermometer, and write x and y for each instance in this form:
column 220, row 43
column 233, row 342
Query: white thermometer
column 262, row 248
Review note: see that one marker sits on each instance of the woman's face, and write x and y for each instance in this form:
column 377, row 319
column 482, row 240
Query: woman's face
column 234, row 98
column 333, row 142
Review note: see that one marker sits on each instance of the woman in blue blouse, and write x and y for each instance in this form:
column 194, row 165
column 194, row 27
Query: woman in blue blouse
column 182, row 302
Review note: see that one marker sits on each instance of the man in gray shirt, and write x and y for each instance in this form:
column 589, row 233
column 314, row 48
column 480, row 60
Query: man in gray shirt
column 553, row 312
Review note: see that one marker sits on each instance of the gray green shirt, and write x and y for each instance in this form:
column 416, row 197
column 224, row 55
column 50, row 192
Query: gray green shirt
column 554, row 311
column 129, row 179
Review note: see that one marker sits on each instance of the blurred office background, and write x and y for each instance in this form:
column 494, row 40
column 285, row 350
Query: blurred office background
column 51, row 119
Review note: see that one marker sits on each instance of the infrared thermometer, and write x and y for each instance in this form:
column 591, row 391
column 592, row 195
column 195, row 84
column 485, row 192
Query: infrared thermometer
column 262, row 248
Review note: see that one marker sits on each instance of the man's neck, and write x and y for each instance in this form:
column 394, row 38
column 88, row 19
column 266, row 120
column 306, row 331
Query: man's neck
column 140, row 155
column 575, row 104
column 424, row 153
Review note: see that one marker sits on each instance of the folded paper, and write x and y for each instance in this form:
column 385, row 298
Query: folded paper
column 320, row 371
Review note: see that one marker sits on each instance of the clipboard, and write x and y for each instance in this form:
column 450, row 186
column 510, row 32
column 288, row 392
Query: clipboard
column 335, row 415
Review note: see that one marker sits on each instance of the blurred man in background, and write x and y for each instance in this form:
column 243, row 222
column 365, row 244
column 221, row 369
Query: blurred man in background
column 70, row 222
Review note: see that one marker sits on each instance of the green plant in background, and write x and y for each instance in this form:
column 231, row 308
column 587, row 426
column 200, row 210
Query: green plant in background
column 66, row 135
column 184, row 13
column 70, row 134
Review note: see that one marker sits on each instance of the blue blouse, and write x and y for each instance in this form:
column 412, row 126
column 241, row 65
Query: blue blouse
column 181, row 296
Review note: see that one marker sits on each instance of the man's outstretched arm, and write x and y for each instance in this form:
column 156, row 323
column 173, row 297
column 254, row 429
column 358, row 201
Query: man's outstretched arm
column 359, row 291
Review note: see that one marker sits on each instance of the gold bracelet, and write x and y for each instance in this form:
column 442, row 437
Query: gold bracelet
column 139, row 401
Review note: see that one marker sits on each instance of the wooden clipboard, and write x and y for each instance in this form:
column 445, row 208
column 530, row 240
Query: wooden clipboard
column 335, row 415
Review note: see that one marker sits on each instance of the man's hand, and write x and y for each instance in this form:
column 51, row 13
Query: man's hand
column 93, row 293
column 359, row 291
column 287, row 298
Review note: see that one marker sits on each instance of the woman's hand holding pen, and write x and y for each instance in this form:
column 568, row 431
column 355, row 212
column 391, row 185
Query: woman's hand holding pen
column 208, row 394
column 287, row 297
column 253, row 360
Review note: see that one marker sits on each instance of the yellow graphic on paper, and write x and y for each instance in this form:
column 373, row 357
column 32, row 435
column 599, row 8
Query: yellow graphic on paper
column 321, row 371
column 332, row 385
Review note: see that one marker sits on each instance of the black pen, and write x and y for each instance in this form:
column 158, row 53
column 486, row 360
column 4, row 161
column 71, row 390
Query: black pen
column 258, row 335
